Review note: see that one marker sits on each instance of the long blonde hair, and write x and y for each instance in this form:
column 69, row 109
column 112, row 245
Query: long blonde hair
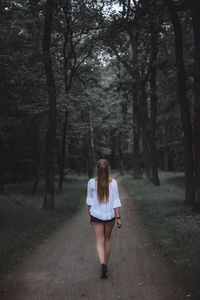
column 103, row 180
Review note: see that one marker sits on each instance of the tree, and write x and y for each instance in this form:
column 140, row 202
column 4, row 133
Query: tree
column 184, row 106
column 51, row 131
column 195, row 10
column 36, row 55
column 153, row 98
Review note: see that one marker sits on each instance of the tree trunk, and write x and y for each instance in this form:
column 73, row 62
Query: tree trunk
column 121, row 156
column 184, row 106
column 51, row 131
column 2, row 165
column 89, row 147
column 165, row 146
column 114, row 145
column 136, row 135
column 195, row 9
column 136, row 111
column 36, row 154
column 145, row 131
column 36, row 71
column 153, row 99
column 69, row 70
column 62, row 162
column 35, row 9
column 122, row 137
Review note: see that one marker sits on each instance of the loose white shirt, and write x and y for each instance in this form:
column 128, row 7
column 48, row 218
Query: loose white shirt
column 104, row 210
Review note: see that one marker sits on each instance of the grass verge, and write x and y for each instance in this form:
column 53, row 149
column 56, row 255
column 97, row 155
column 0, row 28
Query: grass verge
column 23, row 222
column 174, row 228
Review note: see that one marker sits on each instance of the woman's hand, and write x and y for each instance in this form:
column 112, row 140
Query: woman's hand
column 117, row 215
column 90, row 219
column 119, row 223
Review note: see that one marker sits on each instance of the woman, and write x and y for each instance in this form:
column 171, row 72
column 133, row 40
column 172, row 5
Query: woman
column 103, row 207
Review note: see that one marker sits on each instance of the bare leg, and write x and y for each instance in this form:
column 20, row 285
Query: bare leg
column 99, row 233
column 107, row 234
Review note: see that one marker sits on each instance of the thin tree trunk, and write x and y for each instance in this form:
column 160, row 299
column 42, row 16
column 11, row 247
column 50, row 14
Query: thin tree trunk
column 121, row 158
column 153, row 98
column 136, row 111
column 36, row 71
column 145, row 131
column 88, row 143
column 122, row 137
column 63, row 156
column 184, row 106
column 136, row 135
column 165, row 147
column 92, row 143
column 51, row 131
column 68, row 53
column 114, row 144
column 195, row 9
column 2, row 165
column 36, row 155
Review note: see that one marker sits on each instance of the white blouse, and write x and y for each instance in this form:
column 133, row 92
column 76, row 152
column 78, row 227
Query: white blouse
column 105, row 210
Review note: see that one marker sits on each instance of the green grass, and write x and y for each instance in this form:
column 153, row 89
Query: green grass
column 23, row 222
column 175, row 230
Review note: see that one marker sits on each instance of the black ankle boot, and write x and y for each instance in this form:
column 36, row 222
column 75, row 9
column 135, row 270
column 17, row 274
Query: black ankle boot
column 104, row 271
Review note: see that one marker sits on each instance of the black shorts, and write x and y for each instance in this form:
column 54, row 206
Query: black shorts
column 96, row 220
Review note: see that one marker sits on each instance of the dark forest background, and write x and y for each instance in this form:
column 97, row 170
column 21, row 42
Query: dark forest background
column 83, row 80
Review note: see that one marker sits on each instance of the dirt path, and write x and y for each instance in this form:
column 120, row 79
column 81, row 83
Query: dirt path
column 66, row 267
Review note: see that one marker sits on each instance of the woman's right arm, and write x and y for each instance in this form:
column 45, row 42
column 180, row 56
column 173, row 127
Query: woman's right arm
column 89, row 198
column 89, row 212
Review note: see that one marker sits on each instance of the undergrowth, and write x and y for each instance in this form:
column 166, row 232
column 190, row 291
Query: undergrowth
column 23, row 222
column 174, row 228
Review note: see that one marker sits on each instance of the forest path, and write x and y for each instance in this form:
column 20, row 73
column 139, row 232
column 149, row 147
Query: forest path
column 66, row 267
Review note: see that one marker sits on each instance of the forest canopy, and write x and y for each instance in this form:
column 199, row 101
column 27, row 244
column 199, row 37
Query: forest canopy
column 82, row 80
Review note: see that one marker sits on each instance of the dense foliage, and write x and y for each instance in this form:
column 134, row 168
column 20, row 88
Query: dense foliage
column 114, row 79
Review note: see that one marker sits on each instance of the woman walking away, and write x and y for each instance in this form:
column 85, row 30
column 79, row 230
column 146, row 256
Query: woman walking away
column 103, row 207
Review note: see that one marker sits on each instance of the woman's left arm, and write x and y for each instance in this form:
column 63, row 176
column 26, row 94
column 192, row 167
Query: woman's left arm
column 117, row 205
column 89, row 198
column 118, row 217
